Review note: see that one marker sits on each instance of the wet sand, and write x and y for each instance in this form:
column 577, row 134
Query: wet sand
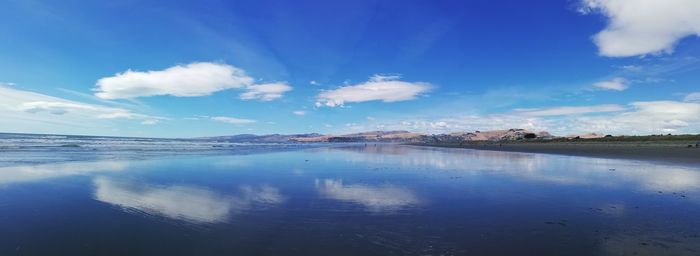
column 676, row 152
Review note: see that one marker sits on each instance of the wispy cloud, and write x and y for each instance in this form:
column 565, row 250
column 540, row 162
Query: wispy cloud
column 692, row 97
column 568, row 110
column 644, row 117
column 299, row 112
column 615, row 84
column 232, row 120
column 44, row 108
column 265, row 92
column 640, row 27
column 378, row 88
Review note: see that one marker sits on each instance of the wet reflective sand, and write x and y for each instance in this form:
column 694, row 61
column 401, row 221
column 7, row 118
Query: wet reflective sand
column 354, row 200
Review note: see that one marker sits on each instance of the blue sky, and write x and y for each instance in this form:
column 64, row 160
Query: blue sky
column 201, row 68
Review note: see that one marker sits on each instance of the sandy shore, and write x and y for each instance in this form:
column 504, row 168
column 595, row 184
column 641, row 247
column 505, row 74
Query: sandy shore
column 676, row 152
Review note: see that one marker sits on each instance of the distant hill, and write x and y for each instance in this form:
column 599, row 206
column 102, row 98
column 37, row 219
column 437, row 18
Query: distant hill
column 375, row 136
column 392, row 136
column 494, row 136
column 269, row 138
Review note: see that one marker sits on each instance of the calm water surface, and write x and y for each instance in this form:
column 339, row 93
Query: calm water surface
column 354, row 200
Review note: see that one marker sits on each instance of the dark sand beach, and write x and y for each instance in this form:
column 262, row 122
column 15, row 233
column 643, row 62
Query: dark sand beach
column 676, row 152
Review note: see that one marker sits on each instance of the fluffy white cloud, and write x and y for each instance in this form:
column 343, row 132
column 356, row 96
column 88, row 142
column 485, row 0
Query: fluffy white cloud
column 195, row 79
column 232, row 120
column 615, row 84
column 639, row 27
column 384, row 88
column 299, row 112
column 265, row 92
column 566, row 110
column 693, row 97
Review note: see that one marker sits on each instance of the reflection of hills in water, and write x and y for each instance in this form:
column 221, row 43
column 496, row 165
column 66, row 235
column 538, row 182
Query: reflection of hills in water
column 568, row 170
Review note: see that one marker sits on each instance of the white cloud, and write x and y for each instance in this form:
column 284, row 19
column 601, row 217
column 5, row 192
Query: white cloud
column 632, row 68
column 194, row 79
column 375, row 198
column 232, row 120
column 313, row 82
column 647, row 117
column 667, row 116
column 54, row 107
column 265, row 92
column 299, row 112
column 150, row 122
column 567, row 110
column 693, row 97
column 36, row 112
column 615, row 84
column 99, row 112
column 640, row 27
column 384, row 88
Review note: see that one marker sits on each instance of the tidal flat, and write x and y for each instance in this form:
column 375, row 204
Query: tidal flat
column 356, row 199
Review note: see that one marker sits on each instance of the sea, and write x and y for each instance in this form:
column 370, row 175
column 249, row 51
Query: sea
column 81, row 195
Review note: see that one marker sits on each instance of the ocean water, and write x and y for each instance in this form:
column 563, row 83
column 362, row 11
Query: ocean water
column 188, row 198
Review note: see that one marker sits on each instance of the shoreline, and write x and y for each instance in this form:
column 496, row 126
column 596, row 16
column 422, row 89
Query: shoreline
column 675, row 152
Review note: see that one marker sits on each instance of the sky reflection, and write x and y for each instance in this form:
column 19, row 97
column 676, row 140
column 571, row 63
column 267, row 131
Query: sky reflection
column 30, row 173
column 565, row 170
column 384, row 197
column 187, row 203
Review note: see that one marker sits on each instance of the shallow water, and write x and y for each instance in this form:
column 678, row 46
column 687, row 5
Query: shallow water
column 354, row 200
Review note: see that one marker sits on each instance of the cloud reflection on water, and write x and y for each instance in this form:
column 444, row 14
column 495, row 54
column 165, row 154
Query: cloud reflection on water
column 374, row 197
column 30, row 173
column 187, row 203
column 557, row 169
